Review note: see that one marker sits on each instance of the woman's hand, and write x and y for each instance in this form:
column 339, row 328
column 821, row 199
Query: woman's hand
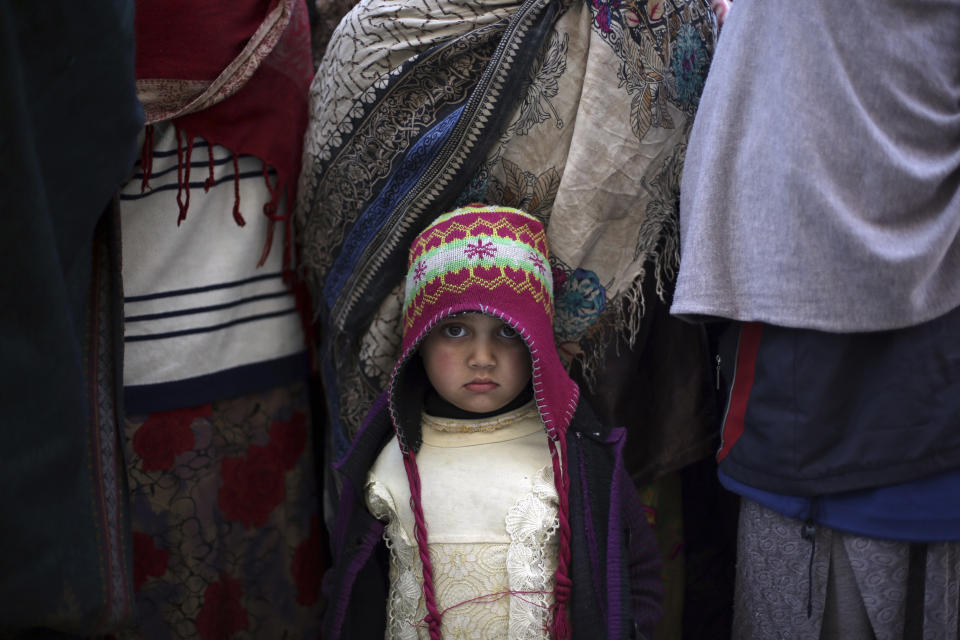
column 720, row 8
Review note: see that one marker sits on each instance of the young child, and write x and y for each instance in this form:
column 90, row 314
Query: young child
column 504, row 504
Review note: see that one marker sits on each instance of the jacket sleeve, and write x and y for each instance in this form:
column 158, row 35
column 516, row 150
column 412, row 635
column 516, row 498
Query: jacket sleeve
column 355, row 586
column 643, row 561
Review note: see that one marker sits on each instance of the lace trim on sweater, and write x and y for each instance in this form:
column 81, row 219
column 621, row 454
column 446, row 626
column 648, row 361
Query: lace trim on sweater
column 475, row 578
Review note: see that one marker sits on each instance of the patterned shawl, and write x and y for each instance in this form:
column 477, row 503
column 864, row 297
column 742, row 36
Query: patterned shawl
column 577, row 113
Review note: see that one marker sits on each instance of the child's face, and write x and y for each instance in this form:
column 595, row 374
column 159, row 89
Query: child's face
column 476, row 362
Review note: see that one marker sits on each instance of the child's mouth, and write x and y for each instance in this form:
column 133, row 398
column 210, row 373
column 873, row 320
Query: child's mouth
column 481, row 386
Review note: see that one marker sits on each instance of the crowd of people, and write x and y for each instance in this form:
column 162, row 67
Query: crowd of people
column 481, row 319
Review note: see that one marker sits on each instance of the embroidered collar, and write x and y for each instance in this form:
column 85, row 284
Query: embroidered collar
column 484, row 425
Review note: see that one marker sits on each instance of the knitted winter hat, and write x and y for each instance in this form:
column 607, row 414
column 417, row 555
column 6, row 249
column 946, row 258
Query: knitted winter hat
column 492, row 260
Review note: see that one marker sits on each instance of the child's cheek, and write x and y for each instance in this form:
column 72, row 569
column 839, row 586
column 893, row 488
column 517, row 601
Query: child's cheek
column 447, row 356
column 442, row 356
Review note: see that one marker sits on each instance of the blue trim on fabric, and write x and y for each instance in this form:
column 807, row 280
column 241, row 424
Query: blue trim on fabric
column 795, row 507
column 925, row 510
column 206, row 309
column 190, row 392
column 210, row 328
column 412, row 167
column 212, row 287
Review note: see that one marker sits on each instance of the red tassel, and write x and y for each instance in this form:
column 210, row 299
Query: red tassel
column 209, row 181
column 269, row 243
column 186, row 176
column 146, row 157
column 237, row 217
column 183, row 211
column 185, row 203
column 270, row 210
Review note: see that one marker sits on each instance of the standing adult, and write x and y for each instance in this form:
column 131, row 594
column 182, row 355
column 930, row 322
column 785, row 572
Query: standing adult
column 70, row 119
column 227, row 537
column 820, row 210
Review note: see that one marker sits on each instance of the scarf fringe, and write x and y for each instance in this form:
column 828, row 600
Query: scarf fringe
column 185, row 143
column 183, row 176
column 237, row 216
column 291, row 278
column 209, row 181
column 627, row 311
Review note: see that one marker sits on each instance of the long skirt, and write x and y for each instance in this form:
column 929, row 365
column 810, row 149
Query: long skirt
column 227, row 540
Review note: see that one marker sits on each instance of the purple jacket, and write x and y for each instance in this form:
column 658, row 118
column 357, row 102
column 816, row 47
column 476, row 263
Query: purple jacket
column 615, row 566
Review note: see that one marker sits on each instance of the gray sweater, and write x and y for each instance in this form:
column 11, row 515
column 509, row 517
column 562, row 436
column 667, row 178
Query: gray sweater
column 821, row 187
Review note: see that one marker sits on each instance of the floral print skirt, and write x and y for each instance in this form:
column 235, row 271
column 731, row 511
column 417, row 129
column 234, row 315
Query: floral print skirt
column 227, row 538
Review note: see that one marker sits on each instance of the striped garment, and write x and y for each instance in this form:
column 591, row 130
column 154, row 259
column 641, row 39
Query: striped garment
column 202, row 320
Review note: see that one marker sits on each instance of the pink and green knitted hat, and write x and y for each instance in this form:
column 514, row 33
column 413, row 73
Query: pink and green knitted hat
column 493, row 260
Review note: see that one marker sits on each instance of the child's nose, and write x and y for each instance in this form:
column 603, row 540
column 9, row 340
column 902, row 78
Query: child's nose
column 482, row 355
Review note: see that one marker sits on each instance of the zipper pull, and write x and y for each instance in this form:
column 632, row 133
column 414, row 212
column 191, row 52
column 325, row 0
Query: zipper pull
column 718, row 372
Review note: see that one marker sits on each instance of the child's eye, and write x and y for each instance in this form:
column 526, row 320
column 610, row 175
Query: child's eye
column 453, row 330
column 506, row 331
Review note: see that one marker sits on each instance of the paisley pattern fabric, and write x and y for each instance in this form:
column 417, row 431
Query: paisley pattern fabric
column 576, row 112
column 226, row 540
column 780, row 574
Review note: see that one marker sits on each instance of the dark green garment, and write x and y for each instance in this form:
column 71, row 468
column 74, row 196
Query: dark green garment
column 70, row 120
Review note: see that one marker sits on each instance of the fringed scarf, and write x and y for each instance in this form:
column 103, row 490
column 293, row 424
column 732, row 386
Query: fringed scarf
column 235, row 74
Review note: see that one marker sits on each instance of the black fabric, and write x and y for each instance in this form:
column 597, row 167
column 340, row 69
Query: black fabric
column 661, row 389
column 70, row 124
column 355, row 542
column 710, row 515
column 230, row 383
column 838, row 412
column 410, row 388
column 587, row 610
column 916, row 582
